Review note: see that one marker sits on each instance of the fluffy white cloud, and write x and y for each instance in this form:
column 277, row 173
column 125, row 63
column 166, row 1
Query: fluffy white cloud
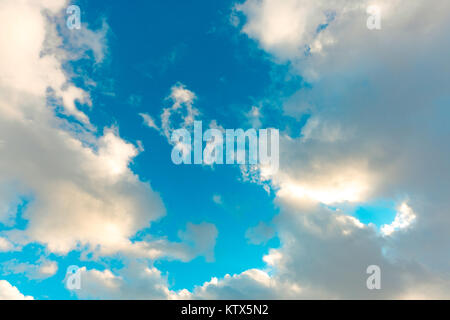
column 9, row 292
column 217, row 199
column 283, row 27
column 136, row 281
column 253, row 283
column 403, row 219
column 83, row 193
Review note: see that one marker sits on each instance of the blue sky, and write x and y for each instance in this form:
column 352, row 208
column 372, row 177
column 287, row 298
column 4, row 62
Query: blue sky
column 345, row 168
column 202, row 50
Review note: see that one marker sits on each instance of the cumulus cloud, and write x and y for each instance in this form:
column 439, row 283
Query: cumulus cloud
column 217, row 199
column 83, row 193
column 9, row 292
column 253, row 283
column 137, row 280
column 403, row 219
column 375, row 103
column 376, row 130
column 182, row 99
column 277, row 24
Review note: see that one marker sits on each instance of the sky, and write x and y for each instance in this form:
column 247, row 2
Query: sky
column 87, row 182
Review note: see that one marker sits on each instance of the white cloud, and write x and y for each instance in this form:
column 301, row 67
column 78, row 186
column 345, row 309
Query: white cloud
column 9, row 292
column 374, row 131
column 6, row 245
column 284, row 27
column 83, row 194
column 196, row 240
column 136, row 281
column 403, row 219
column 325, row 256
column 250, row 284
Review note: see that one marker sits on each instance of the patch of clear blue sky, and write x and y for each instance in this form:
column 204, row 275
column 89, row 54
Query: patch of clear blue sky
column 379, row 213
column 152, row 46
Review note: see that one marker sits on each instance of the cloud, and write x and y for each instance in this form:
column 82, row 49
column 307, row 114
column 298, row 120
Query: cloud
column 136, row 281
column 6, row 245
column 376, row 130
column 403, row 219
column 139, row 278
column 254, row 117
column 43, row 269
column 80, row 191
column 182, row 106
column 260, row 234
column 9, row 292
column 283, row 27
column 375, row 103
column 134, row 100
column 148, row 121
column 203, row 237
column 181, row 115
column 325, row 256
column 196, row 240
